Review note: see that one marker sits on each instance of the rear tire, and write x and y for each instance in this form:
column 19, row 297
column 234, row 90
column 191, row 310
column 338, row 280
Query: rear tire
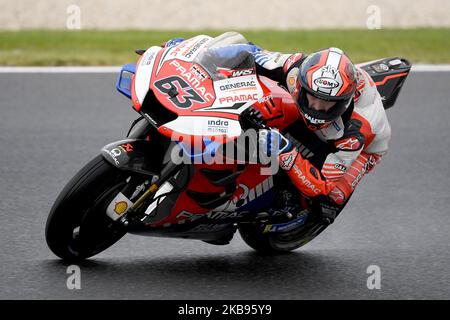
column 282, row 242
column 77, row 226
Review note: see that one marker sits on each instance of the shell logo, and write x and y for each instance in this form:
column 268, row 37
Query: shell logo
column 291, row 81
column 120, row 207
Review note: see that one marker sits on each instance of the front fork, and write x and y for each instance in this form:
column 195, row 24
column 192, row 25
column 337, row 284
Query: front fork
column 146, row 177
column 169, row 169
column 142, row 154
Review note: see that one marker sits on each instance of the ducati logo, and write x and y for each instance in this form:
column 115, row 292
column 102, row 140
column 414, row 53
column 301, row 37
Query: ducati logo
column 115, row 152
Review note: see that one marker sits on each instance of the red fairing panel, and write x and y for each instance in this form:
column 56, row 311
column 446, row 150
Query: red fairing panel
column 194, row 86
column 277, row 107
column 187, row 208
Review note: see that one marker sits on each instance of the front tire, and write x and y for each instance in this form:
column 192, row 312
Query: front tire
column 77, row 226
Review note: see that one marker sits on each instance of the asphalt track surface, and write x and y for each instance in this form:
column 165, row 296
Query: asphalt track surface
column 398, row 219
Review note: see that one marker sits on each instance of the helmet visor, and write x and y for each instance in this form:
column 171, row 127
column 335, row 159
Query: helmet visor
column 320, row 117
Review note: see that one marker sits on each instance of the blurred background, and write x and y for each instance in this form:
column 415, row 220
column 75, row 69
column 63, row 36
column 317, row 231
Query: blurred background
column 105, row 32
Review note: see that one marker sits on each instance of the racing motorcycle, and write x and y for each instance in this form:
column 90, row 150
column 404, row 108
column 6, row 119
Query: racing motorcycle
column 143, row 184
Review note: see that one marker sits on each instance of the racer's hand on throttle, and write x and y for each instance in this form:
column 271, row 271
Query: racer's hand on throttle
column 273, row 142
column 252, row 118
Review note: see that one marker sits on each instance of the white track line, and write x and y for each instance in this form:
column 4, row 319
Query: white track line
column 116, row 69
column 431, row 68
column 75, row 69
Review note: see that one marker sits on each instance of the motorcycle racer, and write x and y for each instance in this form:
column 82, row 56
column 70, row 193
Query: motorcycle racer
column 340, row 105
column 230, row 137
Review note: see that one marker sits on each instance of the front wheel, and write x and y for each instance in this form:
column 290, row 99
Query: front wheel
column 77, row 226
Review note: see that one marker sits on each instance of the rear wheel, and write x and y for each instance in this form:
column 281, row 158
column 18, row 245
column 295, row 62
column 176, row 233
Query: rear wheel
column 279, row 242
column 77, row 226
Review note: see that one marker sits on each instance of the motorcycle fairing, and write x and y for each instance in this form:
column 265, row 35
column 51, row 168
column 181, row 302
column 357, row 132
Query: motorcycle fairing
column 199, row 229
column 132, row 155
column 150, row 63
column 246, row 191
column 202, row 126
column 180, row 89
column 181, row 79
column 123, row 84
column 389, row 75
column 140, row 82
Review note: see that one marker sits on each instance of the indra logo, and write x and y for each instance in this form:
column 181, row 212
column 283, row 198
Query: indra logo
column 222, row 123
column 218, row 125
column 326, row 83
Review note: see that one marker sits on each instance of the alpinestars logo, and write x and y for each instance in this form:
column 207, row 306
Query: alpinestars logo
column 349, row 144
column 287, row 160
column 337, row 196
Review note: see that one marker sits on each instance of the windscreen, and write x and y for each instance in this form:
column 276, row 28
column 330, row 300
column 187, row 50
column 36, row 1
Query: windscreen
column 220, row 58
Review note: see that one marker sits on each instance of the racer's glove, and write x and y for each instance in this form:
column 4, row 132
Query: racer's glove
column 252, row 118
column 311, row 182
column 307, row 178
column 344, row 187
column 273, row 143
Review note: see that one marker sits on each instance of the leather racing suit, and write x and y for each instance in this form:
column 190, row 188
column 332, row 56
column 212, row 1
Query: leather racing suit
column 348, row 148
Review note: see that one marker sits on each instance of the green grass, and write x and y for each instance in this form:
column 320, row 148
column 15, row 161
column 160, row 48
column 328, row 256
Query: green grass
column 58, row 48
